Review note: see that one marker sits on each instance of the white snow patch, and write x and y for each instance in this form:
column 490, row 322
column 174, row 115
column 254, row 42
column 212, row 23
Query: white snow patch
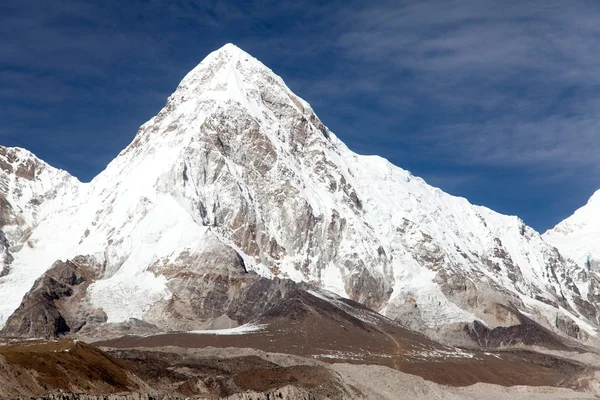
column 240, row 330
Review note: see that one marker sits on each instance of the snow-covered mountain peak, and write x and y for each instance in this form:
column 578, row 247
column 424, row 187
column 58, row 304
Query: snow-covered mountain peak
column 30, row 191
column 595, row 199
column 578, row 236
column 228, row 85
column 219, row 68
column 19, row 161
column 231, row 74
column 237, row 167
column 231, row 49
column 26, row 181
column 228, row 54
column 586, row 216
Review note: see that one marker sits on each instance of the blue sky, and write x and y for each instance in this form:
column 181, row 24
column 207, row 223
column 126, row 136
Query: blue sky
column 496, row 101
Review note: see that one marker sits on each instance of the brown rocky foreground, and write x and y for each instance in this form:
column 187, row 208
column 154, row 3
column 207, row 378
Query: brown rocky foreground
column 339, row 330
column 306, row 346
column 66, row 369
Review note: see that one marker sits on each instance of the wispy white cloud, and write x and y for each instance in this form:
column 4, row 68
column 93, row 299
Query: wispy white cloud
column 516, row 81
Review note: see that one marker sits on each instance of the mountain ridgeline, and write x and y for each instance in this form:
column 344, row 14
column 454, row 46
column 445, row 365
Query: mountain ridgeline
column 234, row 194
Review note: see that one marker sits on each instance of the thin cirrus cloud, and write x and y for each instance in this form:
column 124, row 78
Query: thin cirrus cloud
column 529, row 70
column 75, row 84
column 506, row 87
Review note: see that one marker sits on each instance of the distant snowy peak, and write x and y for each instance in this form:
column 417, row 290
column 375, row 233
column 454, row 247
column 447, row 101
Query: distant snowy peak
column 25, row 183
column 19, row 166
column 30, row 190
column 582, row 217
column 578, row 236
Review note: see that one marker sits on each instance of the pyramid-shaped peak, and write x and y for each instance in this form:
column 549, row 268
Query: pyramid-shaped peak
column 230, row 73
column 229, row 52
column 232, row 49
column 228, row 55
column 221, row 65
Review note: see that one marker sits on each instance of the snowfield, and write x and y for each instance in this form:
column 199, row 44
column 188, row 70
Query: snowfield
column 240, row 330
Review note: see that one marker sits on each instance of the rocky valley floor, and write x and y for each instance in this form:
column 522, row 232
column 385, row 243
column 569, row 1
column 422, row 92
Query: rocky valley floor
column 64, row 368
column 309, row 345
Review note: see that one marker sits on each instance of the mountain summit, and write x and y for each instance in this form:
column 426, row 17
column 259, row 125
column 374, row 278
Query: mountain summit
column 578, row 236
column 236, row 179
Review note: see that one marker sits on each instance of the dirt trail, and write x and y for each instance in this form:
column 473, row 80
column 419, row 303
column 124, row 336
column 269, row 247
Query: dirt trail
column 398, row 353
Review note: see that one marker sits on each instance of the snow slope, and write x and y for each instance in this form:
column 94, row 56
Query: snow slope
column 578, row 236
column 236, row 160
column 31, row 191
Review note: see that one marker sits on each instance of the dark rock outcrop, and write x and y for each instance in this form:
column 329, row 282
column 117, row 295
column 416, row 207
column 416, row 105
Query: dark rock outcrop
column 53, row 307
column 5, row 256
column 528, row 333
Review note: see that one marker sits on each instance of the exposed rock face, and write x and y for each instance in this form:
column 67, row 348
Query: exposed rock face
column 236, row 174
column 5, row 256
column 214, row 290
column 527, row 333
column 288, row 392
column 55, row 306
